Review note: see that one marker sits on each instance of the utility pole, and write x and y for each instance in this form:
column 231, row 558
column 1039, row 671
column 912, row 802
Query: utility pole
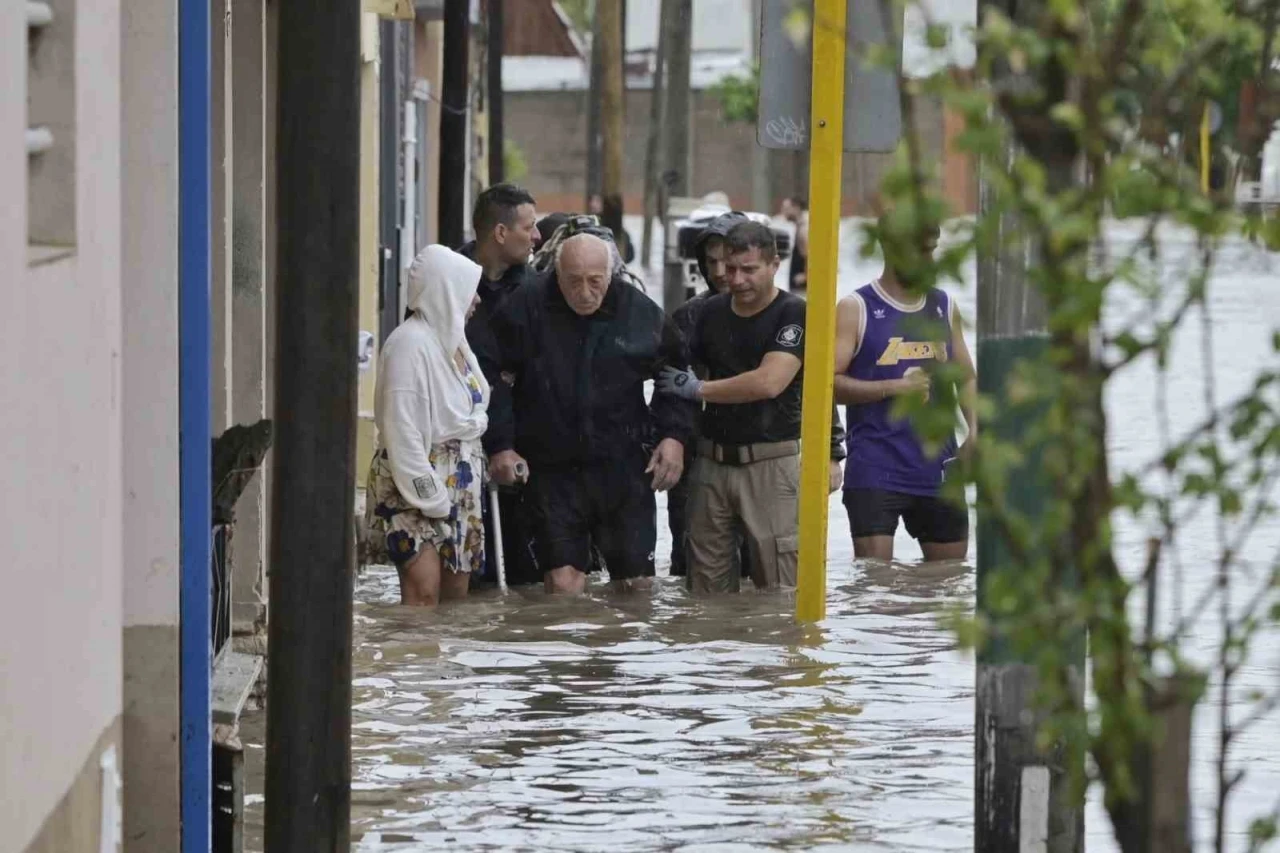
column 1022, row 798
column 622, row 40
column 1012, row 778
column 826, row 154
column 761, row 180
column 308, row 756
column 497, row 150
column 454, row 108
column 652, row 163
column 609, row 26
column 676, row 178
column 596, row 80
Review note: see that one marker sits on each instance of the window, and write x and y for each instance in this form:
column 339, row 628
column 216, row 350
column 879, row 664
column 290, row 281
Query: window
column 51, row 101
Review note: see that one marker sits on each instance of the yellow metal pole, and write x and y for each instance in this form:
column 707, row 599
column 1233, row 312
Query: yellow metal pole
column 1204, row 150
column 826, row 153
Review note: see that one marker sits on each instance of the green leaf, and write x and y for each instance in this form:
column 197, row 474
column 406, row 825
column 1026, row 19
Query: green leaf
column 1068, row 115
column 937, row 36
column 1262, row 830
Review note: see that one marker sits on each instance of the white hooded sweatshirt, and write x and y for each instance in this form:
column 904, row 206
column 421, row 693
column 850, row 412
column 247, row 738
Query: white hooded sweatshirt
column 422, row 398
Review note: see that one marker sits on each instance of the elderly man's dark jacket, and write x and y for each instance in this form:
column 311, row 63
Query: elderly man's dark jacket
column 579, row 381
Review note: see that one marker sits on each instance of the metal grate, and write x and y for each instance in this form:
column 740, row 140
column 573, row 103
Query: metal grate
column 227, row 796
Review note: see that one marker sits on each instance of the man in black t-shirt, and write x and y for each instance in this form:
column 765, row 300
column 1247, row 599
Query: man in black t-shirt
column 712, row 253
column 747, row 472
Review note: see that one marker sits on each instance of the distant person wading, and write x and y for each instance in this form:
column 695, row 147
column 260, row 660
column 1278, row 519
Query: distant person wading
column 796, row 211
column 890, row 334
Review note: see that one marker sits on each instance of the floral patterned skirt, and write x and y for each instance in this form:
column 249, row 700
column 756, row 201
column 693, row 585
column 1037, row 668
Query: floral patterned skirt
column 398, row 531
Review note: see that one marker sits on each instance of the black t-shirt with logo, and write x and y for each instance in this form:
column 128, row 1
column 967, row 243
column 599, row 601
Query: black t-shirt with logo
column 730, row 345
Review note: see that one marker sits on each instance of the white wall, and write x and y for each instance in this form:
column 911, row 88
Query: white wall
column 60, row 537
column 726, row 25
column 149, row 169
column 958, row 17
column 150, row 298
column 718, row 25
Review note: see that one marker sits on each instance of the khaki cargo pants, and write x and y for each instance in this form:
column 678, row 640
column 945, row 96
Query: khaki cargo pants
column 757, row 500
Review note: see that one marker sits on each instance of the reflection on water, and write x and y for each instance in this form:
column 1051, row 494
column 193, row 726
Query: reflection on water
column 643, row 723
column 637, row 723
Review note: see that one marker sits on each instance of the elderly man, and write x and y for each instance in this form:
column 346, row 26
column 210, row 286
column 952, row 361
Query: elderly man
column 580, row 343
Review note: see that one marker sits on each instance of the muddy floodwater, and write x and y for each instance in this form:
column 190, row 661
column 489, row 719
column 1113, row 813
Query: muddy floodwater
column 612, row 723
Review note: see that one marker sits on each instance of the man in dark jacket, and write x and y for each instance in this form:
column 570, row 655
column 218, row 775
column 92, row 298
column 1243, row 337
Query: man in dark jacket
column 580, row 344
column 505, row 223
column 710, row 250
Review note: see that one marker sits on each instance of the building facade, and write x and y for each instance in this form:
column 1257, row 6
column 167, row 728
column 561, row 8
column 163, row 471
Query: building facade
column 91, row 726
column 62, row 524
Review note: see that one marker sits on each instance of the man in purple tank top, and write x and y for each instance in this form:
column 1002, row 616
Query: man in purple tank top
column 888, row 337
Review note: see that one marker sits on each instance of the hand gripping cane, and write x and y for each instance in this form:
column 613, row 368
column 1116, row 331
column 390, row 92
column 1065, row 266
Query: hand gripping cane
column 495, row 512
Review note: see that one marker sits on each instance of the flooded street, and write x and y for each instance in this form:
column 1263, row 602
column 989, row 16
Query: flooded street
column 533, row 722
column 527, row 722
column 636, row 724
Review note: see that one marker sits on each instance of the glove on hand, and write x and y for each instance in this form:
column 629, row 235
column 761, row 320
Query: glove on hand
column 679, row 383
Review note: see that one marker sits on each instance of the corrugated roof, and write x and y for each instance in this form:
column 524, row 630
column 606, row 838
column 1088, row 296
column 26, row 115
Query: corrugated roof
column 538, row 28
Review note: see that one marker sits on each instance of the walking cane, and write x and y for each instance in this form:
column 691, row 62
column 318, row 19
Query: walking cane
column 495, row 512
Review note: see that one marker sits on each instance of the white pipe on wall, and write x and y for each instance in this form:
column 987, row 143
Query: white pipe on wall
column 408, row 229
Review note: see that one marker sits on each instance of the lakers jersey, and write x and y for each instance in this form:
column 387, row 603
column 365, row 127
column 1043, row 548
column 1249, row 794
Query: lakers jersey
column 884, row 453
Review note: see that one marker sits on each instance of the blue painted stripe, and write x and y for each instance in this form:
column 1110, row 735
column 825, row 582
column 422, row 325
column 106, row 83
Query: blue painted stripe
column 194, row 395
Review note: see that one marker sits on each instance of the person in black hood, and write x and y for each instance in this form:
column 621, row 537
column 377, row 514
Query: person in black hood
column 548, row 224
column 580, row 344
column 504, row 221
column 710, row 250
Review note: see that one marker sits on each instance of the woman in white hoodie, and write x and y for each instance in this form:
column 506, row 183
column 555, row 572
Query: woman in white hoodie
column 425, row 484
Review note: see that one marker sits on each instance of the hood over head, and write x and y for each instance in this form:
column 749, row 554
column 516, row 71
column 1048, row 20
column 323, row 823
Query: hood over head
column 442, row 284
column 548, row 224
column 720, row 226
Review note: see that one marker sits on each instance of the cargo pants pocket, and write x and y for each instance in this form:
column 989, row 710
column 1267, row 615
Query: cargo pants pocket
column 785, row 561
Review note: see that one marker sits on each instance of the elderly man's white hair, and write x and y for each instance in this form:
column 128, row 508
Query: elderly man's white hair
column 615, row 258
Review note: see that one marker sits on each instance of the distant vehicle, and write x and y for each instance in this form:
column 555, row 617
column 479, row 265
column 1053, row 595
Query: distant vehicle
column 685, row 225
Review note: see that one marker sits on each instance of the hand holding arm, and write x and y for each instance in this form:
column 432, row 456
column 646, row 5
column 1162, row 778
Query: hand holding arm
column 673, row 413
column 677, row 382
column 771, row 378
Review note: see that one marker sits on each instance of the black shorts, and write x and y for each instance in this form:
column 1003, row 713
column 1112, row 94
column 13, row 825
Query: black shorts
column 607, row 506
column 874, row 512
